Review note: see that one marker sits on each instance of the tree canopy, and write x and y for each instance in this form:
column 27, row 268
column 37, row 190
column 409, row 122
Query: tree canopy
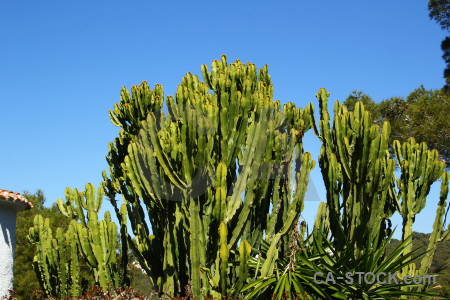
column 440, row 12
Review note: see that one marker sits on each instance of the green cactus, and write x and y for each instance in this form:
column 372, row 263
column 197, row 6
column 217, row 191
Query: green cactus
column 420, row 168
column 358, row 174
column 97, row 239
column 445, row 234
column 56, row 258
column 222, row 156
column 244, row 257
column 78, row 202
column 438, row 234
column 322, row 222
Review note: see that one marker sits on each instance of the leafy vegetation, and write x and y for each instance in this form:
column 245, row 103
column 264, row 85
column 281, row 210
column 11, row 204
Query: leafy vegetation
column 302, row 274
column 440, row 264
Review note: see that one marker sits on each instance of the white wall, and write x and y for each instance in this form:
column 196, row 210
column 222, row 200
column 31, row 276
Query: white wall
column 7, row 245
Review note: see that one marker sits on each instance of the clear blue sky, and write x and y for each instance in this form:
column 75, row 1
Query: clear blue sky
column 64, row 62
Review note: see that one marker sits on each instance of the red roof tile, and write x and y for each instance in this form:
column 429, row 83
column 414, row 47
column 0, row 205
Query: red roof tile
column 11, row 196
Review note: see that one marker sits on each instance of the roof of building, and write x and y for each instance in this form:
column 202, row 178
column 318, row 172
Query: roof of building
column 15, row 197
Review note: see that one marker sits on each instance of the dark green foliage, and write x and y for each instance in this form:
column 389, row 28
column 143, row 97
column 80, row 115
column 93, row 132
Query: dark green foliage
column 427, row 119
column 25, row 280
column 369, row 104
column 445, row 47
column 440, row 12
column 298, row 272
column 140, row 281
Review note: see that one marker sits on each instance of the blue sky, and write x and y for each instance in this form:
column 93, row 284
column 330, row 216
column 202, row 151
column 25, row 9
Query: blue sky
column 62, row 64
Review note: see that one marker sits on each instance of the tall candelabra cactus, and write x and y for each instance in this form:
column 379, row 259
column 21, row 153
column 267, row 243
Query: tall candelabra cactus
column 213, row 176
column 438, row 234
column 358, row 174
column 420, row 168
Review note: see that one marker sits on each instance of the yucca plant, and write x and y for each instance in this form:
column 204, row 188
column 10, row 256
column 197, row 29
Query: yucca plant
column 318, row 271
column 289, row 280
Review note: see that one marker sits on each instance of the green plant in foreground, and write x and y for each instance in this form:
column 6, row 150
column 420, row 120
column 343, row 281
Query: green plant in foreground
column 362, row 191
column 358, row 174
column 420, row 168
column 97, row 239
column 214, row 183
column 56, row 258
column 213, row 175
column 305, row 272
column 438, row 234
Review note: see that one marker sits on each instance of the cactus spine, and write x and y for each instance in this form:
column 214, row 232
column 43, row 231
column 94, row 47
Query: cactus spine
column 220, row 159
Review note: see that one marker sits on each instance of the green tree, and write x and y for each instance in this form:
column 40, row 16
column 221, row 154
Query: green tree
column 25, row 280
column 440, row 12
column 445, row 46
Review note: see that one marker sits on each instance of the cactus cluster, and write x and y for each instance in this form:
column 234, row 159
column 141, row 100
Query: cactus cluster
column 358, row 174
column 438, row 234
column 213, row 175
column 420, row 168
column 97, row 239
column 87, row 239
column 362, row 189
column 56, row 258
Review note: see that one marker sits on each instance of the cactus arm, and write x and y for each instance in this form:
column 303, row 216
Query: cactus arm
column 71, row 239
column 224, row 254
column 195, row 232
column 438, row 225
column 244, row 257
